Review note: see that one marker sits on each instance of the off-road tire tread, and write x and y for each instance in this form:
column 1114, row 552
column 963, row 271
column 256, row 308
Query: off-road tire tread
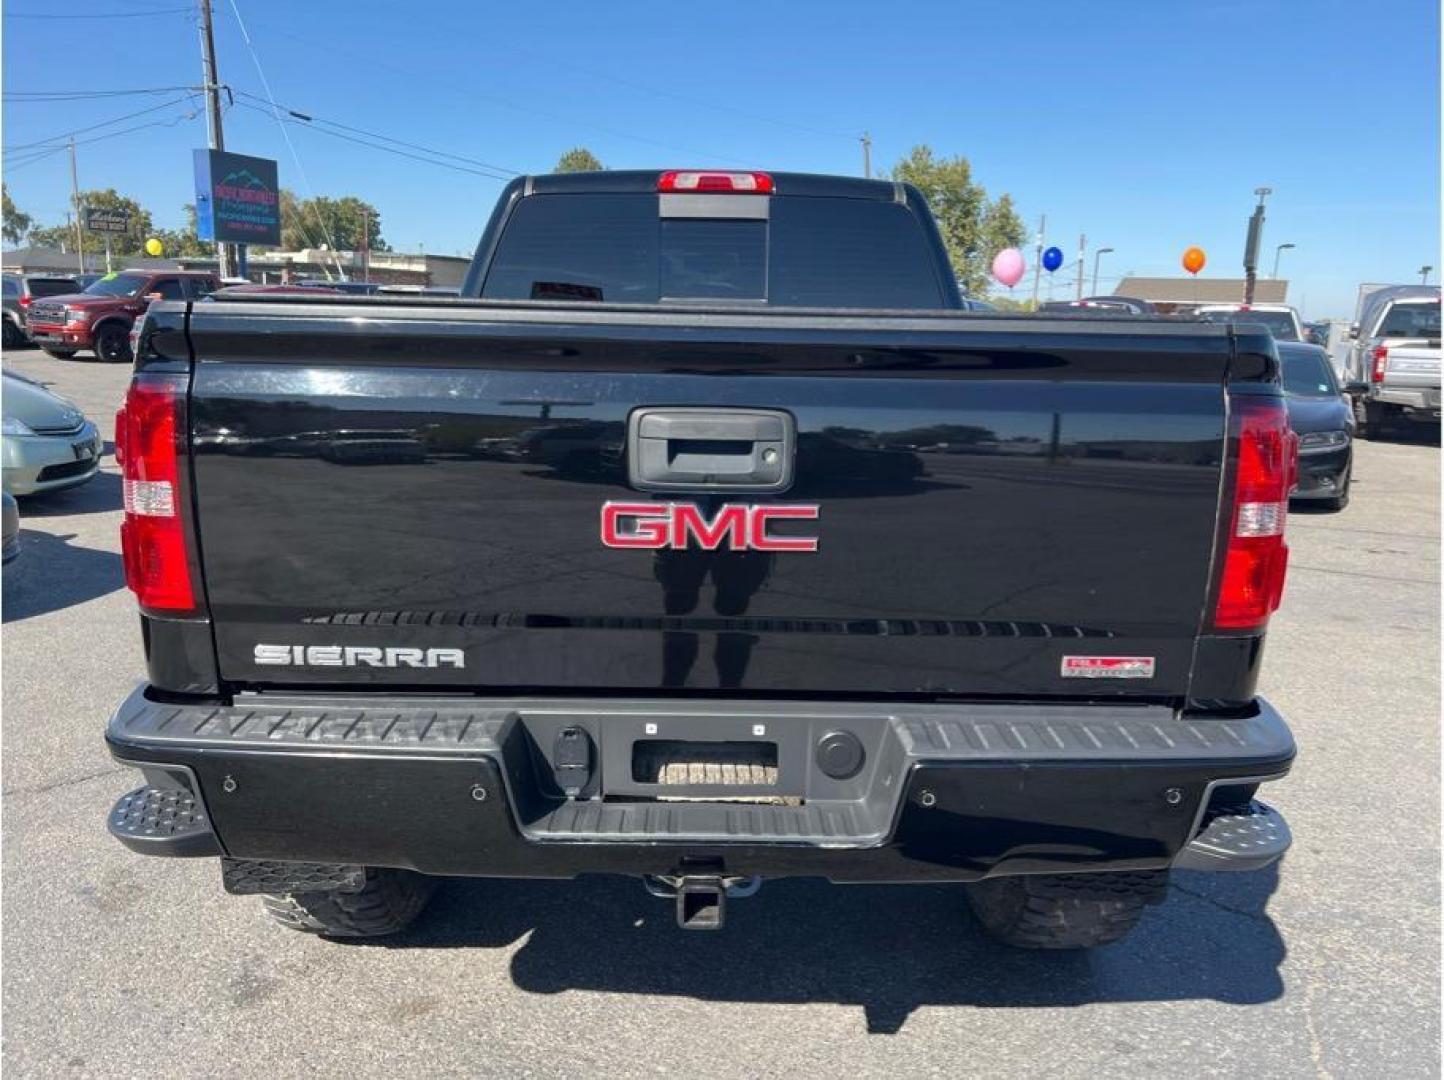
column 388, row 902
column 1011, row 910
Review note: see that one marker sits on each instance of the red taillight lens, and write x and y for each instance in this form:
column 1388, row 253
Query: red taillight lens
column 1381, row 361
column 25, row 301
column 741, row 183
column 149, row 435
column 1256, row 556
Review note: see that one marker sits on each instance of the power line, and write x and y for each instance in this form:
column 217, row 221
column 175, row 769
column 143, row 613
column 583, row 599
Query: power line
column 98, row 14
column 15, row 96
column 295, row 157
column 379, row 146
column 472, row 92
column 104, row 123
column 311, row 119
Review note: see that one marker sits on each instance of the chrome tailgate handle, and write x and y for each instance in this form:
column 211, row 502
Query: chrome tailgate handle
column 698, row 449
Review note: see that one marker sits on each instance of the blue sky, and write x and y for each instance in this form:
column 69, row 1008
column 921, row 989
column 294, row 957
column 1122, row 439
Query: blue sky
column 1146, row 126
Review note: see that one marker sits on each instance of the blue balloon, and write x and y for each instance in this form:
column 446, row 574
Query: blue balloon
column 1052, row 259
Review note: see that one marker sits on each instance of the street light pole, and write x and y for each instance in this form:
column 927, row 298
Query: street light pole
column 1424, row 274
column 1096, row 256
column 1277, row 252
column 1082, row 246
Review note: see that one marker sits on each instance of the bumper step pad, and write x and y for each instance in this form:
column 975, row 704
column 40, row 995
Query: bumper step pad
column 161, row 821
column 1247, row 837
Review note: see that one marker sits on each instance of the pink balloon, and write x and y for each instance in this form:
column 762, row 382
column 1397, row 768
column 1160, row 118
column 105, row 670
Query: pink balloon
column 1008, row 266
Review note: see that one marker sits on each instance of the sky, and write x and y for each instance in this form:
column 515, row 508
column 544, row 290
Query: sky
column 1144, row 126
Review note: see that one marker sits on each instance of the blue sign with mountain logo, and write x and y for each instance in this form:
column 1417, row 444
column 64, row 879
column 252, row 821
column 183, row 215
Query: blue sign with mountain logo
column 237, row 199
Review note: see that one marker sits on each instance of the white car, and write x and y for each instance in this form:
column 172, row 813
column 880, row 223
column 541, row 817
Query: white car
column 48, row 443
column 1281, row 320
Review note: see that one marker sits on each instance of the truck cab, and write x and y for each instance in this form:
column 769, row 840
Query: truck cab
column 100, row 317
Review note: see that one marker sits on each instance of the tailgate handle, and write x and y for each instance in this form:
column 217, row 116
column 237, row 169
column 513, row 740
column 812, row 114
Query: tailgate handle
column 694, row 449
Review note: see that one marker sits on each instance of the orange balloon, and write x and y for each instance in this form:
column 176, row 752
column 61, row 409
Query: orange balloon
column 1193, row 259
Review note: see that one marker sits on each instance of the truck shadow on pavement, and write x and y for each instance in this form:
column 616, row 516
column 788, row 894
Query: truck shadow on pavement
column 890, row 949
column 52, row 574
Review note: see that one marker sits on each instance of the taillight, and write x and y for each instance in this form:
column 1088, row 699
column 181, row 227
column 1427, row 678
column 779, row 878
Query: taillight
column 741, row 183
column 1381, row 361
column 25, row 301
column 149, row 439
column 1255, row 556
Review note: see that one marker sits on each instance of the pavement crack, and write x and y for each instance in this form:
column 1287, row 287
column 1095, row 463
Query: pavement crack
column 53, row 785
column 1360, row 574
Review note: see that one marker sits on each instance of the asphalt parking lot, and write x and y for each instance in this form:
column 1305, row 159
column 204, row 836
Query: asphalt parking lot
column 1326, row 966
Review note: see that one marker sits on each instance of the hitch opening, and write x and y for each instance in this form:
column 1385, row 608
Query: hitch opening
column 701, row 903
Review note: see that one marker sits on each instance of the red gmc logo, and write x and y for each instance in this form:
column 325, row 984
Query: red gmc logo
column 738, row 526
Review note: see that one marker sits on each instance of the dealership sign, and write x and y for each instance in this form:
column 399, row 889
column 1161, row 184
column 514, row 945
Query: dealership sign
column 105, row 221
column 237, row 199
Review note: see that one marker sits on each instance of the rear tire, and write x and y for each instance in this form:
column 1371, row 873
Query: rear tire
column 61, row 354
column 1370, row 417
column 1064, row 911
column 388, row 902
column 14, row 336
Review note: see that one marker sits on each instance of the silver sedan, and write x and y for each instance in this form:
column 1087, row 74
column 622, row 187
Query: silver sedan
column 47, row 442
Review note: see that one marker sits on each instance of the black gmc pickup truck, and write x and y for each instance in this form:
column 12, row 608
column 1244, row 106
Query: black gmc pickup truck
column 703, row 539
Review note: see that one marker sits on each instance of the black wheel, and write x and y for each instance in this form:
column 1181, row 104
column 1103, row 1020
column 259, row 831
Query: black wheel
column 1370, row 418
column 14, row 337
column 112, row 343
column 60, row 354
column 1064, row 911
column 388, row 902
column 1341, row 500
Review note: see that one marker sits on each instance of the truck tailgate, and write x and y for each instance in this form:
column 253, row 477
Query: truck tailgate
column 993, row 497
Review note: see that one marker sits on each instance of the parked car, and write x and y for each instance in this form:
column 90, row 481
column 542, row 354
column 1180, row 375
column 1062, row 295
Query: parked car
column 700, row 637
column 1393, row 357
column 1281, row 320
column 1323, row 419
column 361, row 288
column 1126, row 303
column 19, row 292
column 47, row 443
column 10, row 535
column 100, row 317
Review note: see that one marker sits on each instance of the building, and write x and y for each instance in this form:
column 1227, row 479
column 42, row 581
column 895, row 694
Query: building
column 386, row 267
column 1186, row 293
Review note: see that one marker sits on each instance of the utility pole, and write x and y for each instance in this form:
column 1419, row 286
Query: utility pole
column 75, row 195
column 1250, row 247
column 1038, row 257
column 866, row 156
column 213, row 112
column 1082, row 246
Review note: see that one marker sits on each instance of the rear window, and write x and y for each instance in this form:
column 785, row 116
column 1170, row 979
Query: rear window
column 1411, row 319
column 1280, row 323
column 811, row 252
column 52, row 286
column 11, row 287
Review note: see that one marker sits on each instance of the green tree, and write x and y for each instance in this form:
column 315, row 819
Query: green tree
column 579, row 159
column 127, row 243
column 974, row 228
column 339, row 223
column 14, row 222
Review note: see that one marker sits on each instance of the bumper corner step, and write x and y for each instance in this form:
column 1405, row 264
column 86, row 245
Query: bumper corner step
column 1246, row 837
column 163, row 821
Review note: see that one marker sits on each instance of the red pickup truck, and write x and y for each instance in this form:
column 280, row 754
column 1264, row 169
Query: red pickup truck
column 100, row 318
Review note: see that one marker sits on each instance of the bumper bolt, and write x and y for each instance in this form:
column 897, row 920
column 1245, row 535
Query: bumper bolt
column 229, row 784
column 1173, row 796
column 927, row 798
column 478, row 793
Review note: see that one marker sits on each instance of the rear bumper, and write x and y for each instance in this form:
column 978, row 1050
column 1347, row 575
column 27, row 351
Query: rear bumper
column 467, row 787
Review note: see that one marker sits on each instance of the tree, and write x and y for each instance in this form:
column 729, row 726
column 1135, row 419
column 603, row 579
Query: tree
column 579, row 159
column 184, row 243
column 338, row 223
column 127, row 243
column 974, row 229
column 14, row 223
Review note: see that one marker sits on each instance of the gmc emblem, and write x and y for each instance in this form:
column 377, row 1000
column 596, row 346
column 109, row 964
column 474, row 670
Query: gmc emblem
column 738, row 526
